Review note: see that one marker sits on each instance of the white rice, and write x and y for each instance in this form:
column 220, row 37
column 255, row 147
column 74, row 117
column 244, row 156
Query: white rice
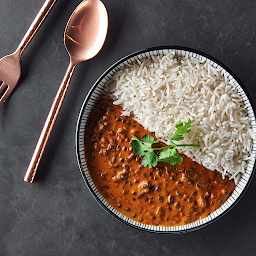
column 163, row 90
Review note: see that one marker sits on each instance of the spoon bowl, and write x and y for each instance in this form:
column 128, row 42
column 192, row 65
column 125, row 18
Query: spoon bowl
column 89, row 18
column 84, row 36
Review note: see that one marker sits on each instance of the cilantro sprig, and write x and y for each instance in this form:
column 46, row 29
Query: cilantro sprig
column 168, row 154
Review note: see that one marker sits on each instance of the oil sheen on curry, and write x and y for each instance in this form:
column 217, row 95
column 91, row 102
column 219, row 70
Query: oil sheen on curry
column 164, row 195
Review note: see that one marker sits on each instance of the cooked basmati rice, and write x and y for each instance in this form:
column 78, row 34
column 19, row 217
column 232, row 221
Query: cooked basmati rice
column 163, row 90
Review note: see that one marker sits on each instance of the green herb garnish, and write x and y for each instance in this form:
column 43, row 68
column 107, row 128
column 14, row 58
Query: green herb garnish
column 168, row 154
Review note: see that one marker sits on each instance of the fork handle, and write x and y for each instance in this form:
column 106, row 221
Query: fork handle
column 36, row 24
column 32, row 169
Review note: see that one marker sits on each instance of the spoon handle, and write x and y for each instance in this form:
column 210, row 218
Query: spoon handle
column 31, row 172
column 36, row 24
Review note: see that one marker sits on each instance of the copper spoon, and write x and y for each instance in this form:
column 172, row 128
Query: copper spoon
column 10, row 69
column 84, row 36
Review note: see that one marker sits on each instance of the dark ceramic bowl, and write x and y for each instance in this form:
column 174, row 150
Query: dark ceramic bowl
column 98, row 89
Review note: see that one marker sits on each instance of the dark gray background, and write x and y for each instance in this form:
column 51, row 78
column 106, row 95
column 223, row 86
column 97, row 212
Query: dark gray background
column 57, row 215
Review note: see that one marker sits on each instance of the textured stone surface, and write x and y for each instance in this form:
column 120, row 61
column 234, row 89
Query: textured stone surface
column 56, row 215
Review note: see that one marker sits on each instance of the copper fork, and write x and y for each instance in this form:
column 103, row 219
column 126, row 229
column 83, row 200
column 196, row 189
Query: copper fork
column 10, row 68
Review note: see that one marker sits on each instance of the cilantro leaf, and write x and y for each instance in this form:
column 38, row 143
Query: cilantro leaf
column 137, row 146
column 170, row 156
column 181, row 128
column 147, row 141
column 177, row 137
column 150, row 159
column 143, row 145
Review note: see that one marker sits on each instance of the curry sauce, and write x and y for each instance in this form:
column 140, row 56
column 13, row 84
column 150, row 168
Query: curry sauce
column 164, row 195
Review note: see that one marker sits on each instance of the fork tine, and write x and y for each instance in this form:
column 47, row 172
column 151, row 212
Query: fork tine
column 2, row 88
column 4, row 93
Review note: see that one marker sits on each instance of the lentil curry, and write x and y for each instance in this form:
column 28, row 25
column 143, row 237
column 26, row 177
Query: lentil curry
column 164, row 195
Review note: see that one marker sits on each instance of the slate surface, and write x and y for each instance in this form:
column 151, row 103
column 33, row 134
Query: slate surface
column 56, row 215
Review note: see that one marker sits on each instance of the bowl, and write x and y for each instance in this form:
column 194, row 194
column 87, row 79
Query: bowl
column 98, row 89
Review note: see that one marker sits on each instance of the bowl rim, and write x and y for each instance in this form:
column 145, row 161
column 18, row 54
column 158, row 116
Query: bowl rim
column 113, row 67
